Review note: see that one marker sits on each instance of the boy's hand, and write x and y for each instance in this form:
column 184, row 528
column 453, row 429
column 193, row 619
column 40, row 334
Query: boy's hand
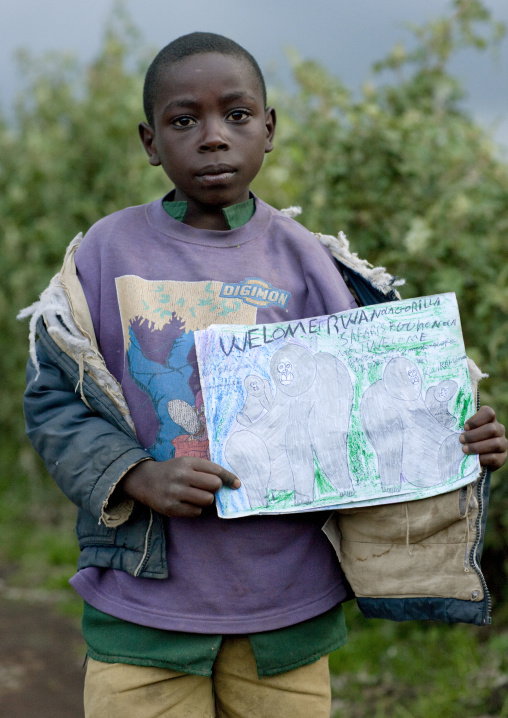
column 177, row 487
column 485, row 436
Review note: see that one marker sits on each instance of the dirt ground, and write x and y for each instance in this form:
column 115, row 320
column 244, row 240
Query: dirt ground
column 41, row 659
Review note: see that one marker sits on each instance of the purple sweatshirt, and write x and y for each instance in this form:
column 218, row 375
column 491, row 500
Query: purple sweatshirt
column 150, row 282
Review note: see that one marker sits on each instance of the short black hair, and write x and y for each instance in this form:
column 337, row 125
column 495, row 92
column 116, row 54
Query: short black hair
column 196, row 43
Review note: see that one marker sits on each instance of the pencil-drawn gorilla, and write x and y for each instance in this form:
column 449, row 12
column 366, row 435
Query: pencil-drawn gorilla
column 411, row 437
column 306, row 420
column 259, row 397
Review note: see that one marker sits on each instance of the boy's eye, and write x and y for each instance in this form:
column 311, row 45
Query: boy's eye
column 238, row 115
column 184, row 121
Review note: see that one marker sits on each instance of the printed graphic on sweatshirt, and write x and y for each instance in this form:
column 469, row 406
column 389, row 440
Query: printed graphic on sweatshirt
column 159, row 319
column 257, row 292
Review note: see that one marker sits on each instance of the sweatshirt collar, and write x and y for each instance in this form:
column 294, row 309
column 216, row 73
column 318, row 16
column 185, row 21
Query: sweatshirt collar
column 236, row 216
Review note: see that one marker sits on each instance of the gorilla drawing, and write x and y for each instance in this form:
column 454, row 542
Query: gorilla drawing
column 259, row 397
column 412, row 438
column 307, row 419
column 437, row 398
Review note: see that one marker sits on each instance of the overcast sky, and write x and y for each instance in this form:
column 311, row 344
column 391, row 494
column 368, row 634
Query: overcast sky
column 345, row 35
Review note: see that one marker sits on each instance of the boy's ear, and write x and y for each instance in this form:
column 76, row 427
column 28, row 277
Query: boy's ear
column 147, row 135
column 270, row 122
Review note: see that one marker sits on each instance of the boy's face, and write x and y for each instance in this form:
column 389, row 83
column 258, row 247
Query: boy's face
column 211, row 130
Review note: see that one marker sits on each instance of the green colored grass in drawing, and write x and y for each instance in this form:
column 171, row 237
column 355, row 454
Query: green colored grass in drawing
column 361, row 459
column 323, row 488
column 280, row 500
column 375, row 373
column 467, row 466
column 357, row 396
column 361, row 462
column 465, row 407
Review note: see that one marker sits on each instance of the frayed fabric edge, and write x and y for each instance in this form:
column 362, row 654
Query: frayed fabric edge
column 53, row 306
column 378, row 276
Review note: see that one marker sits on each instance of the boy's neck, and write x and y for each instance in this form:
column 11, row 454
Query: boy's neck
column 206, row 218
column 213, row 217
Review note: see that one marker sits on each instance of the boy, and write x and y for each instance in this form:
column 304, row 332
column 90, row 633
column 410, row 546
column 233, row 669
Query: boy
column 173, row 595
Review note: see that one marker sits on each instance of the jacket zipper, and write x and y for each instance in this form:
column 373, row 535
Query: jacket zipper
column 472, row 555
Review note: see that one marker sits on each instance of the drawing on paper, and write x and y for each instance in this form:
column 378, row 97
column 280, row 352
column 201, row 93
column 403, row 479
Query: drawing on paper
column 411, row 436
column 356, row 408
column 306, row 418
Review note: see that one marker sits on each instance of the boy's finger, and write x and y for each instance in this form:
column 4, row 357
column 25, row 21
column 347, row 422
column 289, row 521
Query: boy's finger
column 496, row 445
column 205, row 482
column 495, row 461
column 484, row 415
column 228, row 479
column 484, row 433
column 186, row 511
column 198, row 497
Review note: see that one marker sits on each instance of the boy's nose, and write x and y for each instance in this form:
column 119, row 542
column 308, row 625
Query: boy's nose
column 214, row 137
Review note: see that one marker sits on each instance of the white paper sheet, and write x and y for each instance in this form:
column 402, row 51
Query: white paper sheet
column 356, row 408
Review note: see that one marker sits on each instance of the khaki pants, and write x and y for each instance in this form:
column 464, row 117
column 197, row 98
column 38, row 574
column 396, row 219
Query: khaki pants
column 119, row 690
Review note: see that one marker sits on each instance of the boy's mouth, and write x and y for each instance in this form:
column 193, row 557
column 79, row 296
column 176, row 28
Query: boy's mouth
column 215, row 174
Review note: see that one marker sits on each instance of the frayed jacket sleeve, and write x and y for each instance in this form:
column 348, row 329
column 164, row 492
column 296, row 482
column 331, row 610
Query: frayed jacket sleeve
column 87, row 449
